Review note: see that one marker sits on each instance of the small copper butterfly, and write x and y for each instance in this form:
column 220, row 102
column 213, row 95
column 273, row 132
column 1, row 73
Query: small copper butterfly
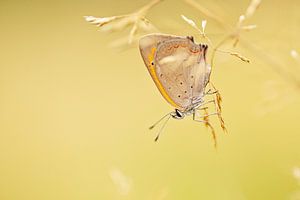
column 179, row 69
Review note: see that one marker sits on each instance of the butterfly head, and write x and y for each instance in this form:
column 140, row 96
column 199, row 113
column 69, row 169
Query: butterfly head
column 177, row 114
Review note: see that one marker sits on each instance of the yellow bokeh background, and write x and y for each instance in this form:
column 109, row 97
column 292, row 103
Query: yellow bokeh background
column 74, row 113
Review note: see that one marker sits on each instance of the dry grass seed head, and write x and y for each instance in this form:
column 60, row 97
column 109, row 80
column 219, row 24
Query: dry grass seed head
column 208, row 125
column 136, row 19
column 201, row 31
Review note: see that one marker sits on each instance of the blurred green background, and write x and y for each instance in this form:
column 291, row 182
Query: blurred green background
column 74, row 113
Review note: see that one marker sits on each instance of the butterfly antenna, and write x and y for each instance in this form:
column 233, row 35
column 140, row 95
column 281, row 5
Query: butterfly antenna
column 151, row 127
column 163, row 126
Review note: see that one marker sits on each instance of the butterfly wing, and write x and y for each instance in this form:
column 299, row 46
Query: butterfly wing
column 177, row 66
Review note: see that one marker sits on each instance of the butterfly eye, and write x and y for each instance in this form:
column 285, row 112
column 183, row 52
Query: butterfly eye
column 178, row 114
column 152, row 63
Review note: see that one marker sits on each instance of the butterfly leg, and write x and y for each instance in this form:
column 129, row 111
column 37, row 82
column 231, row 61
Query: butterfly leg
column 210, row 92
column 205, row 103
column 212, row 89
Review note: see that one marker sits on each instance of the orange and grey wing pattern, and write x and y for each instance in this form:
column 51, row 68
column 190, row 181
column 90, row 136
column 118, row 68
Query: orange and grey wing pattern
column 173, row 62
column 148, row 45
column 201, row 73
column 148, row 48
column 177, row 66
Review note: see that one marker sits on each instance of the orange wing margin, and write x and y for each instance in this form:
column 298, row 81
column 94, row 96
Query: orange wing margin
column 151, row 69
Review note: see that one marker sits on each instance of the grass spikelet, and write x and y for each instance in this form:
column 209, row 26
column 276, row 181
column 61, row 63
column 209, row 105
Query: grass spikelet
column 206, row 12
column 100, row 21
column 203, row 25
column 218, row 101
column 253, row 6
column 237, row 55
column 193, row 24
column 136, row 19
column 240, row 57
column 208, row 125
column 189, row 21
column 249, row 27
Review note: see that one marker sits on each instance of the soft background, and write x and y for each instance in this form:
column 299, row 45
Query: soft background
column 74, row 113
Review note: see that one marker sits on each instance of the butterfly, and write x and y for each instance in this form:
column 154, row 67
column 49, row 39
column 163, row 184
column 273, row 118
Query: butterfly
column 179, row 69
